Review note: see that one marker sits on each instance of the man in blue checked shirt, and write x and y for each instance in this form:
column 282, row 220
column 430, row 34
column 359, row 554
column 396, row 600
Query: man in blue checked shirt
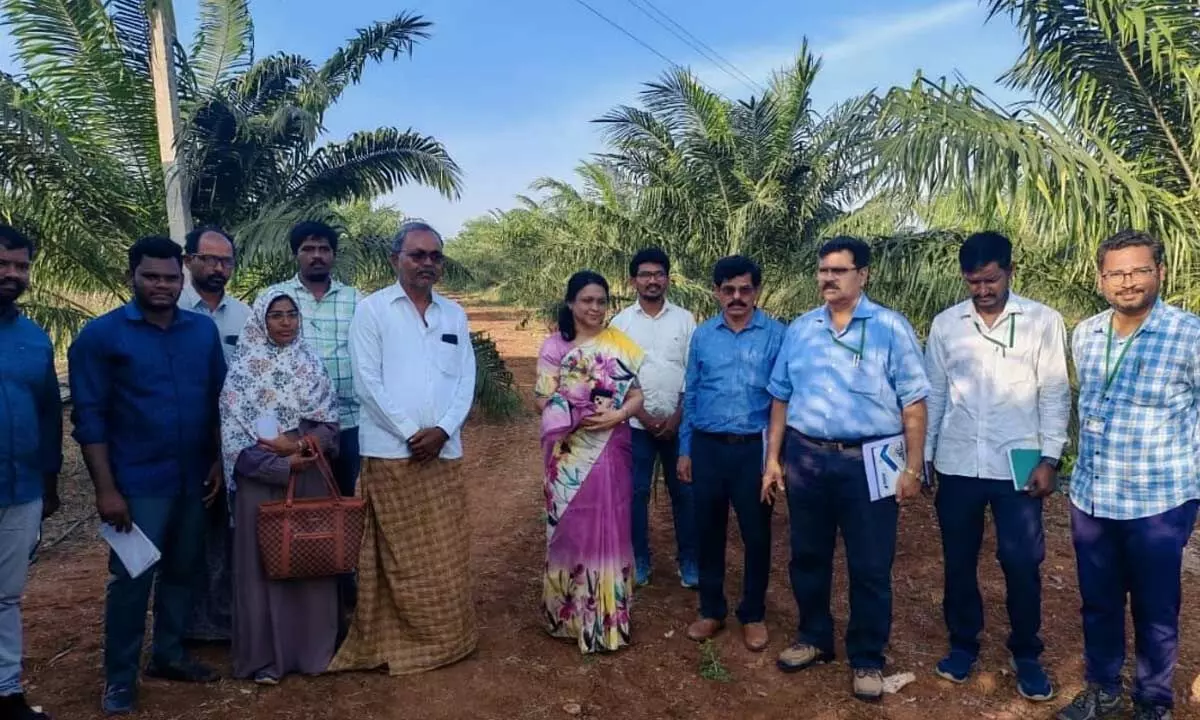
column 1134, row 491
column 725, row 410
column 850, row 372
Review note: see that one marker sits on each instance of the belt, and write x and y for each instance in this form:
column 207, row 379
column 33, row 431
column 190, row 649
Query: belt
column 731, row 438
column 830, row 444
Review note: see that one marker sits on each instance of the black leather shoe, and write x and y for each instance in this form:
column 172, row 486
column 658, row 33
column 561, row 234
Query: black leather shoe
column 188, row 671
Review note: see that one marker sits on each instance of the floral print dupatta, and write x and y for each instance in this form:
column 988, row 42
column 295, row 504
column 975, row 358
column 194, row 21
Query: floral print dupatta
column 588, row 487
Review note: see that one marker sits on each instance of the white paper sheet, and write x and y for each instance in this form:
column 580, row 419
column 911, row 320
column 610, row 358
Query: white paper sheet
column 267, row 427
column 884, row 461
column 134, row 549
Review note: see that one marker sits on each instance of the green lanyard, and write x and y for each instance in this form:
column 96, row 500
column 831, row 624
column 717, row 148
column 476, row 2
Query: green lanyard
column 1012, row 335
column 862, row 340
column 1110, row 375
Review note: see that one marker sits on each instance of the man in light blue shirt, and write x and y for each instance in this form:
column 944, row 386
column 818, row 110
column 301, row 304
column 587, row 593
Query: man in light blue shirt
column 725, row 411
column 849, row 372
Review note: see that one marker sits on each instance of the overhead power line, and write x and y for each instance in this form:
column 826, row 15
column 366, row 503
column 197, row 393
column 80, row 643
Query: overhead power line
column 695, row 43
column 628, row 34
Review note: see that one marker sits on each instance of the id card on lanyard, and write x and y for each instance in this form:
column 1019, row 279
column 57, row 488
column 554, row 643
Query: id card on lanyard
column 1094, row 424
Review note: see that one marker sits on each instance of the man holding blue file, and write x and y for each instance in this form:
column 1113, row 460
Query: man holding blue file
column 848, row 424
column 998, row 410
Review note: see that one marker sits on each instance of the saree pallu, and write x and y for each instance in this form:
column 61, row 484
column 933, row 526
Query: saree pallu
column 588, row 583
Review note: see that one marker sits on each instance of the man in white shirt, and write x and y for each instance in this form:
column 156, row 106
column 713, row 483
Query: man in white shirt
column 209, row 254
column 414, row 372
column 664, row 332
column 999, row 407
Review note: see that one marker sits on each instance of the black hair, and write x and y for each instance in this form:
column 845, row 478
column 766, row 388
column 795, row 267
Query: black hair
column 1128, row 239
column 652, row 255
column 312, row 228
column 411, row 226
column 727, row 268
column 984, row 248
column 157, row 247
column 191, row 242
column 12, row 239
column 845, row 243
column 600, row 392
column 578, row 281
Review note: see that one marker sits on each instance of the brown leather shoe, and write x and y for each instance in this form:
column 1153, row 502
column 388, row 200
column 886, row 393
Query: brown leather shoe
column 704, row 628
column 755, row 636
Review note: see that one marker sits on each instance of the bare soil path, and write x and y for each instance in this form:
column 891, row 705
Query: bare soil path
column 519, row 672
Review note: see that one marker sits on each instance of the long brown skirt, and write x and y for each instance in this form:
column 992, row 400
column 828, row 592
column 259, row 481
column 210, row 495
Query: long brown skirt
column 415, row 610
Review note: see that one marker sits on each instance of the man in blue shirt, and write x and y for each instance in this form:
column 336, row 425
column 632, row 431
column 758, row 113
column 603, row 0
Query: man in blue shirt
column 30, row 457
column 1135, row 488
column 725, row 410
column 145, row 379
column 850, row 372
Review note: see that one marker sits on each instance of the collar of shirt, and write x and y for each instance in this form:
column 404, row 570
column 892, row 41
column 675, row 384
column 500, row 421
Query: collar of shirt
column 1151, row 324
column 334, row 286
column 1015, row 305
column 757, row 320
column 10, row 313
column 863, row 309
column 190, row 299
column 395, row 292
column 135, row 314
column 667, row 307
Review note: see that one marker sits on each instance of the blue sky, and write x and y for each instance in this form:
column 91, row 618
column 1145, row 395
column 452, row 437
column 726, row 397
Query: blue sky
column 510, row 87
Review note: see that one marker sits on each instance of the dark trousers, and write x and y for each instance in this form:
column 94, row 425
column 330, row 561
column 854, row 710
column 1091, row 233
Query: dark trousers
column 176, row 527
column 1142, row 558
column 345, row 471
column 725, row 474
column 962, row 503
column 827, row 490
column 647, row 448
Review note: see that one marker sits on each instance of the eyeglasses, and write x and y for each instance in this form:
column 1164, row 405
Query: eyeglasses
column 420, row 256
column 283, row 315
column 225, row 261
column 651, row 275
column 1138, row 274
column 835, row 271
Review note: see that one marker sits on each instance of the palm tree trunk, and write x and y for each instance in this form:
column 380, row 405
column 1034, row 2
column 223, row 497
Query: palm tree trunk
column 166, row 111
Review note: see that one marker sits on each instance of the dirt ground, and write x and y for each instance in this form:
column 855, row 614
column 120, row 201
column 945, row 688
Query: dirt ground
column 519, row 672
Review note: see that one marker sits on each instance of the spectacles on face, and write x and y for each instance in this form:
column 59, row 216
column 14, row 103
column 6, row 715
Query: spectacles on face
column 1113, row 277
column 278, row 315
column 224, row 261
column 651, row 275
column 730, row 291
column 835, row 272
column 420, row 256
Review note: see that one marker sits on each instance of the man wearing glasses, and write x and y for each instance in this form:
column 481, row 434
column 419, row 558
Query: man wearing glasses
column 1135, row 487
column 209, row 257
column 849, row 373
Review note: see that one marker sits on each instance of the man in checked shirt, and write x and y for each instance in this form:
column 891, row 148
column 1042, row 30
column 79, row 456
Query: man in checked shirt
column 326, row 308
column 1134, row 491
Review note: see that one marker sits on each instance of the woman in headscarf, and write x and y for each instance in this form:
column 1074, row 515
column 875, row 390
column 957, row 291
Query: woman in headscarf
column 277, row 397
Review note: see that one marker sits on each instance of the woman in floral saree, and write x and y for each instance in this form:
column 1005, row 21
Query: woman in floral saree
column 587, row 391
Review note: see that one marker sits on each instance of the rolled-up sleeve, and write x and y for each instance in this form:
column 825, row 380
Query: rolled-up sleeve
column 50, row 421
column 906, row 367
column 780, row 385
column 91, row 386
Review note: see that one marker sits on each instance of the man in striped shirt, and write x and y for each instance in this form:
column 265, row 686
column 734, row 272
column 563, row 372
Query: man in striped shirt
column 1134, row 491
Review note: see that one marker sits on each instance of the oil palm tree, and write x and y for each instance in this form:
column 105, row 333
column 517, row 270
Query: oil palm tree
column 79, row 153
column 1108, row 141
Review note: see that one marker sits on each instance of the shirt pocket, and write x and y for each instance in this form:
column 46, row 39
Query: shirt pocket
column 447, row 357
column 866, row 378
column 1148, row 386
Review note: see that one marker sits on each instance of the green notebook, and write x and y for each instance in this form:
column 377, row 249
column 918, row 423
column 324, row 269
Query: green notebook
column 1021, row 462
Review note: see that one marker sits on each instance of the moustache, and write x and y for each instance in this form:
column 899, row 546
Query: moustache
column 829, row 286
column 737, row 303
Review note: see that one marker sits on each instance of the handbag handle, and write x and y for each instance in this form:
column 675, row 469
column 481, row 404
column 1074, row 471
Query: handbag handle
column 322, row 464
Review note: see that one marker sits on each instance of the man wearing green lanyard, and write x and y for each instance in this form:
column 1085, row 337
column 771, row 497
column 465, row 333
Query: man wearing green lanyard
column 1136, row 484
column 849, row 373
column 999, row 402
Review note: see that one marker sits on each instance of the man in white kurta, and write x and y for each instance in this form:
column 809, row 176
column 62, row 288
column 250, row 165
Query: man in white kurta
column 414, row 372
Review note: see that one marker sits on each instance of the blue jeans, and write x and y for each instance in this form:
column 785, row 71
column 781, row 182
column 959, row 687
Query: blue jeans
column 725, row 474
column 962, row 503
column 176, row 526
column 1143, row 559
column 827, row 491
column 646, row 448
column 18, row 532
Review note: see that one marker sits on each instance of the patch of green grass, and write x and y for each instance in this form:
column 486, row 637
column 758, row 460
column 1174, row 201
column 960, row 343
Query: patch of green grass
column 710, row 664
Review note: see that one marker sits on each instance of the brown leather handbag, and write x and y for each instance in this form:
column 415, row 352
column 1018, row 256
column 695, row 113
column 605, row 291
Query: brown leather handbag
column 310, row 537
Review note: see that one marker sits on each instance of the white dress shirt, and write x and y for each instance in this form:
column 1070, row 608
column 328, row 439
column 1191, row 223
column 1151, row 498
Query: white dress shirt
column 410, row 374
column 665, row 339
column 994, row 389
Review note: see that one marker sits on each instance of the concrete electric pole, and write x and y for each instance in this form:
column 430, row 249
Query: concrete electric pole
column 166, row 112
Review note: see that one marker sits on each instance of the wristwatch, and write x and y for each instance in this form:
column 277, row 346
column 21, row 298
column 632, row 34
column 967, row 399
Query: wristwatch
column 1055, row 463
